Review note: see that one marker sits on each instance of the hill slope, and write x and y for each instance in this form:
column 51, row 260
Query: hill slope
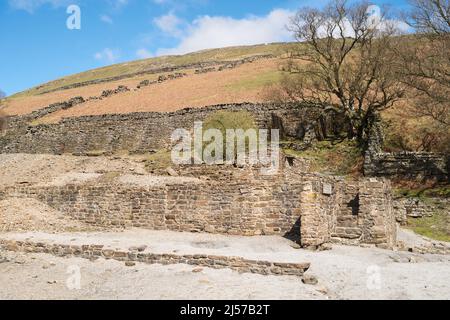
column 226, row 75
column 237, row 82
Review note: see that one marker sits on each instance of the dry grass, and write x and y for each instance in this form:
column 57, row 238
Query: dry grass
column 192, row 91
column 27, row 104
column 221, row 54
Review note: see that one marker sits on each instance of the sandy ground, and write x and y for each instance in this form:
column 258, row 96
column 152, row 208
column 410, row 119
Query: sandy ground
column 343, row 272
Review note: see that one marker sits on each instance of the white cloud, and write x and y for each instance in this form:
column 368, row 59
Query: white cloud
column 169, row 24
column 214, row 32
column 143, row 54
column 31, row 5
column 106, row 19
column 107, row 55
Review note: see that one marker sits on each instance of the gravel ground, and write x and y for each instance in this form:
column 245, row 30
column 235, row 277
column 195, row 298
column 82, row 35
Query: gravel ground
column 38, row 169
column 25, row 215
column 343, row 272
column 41, row 276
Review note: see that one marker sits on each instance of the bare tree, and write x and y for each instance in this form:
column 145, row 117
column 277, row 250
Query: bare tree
column 344, row 63
column 426, row 60
column 430, row 16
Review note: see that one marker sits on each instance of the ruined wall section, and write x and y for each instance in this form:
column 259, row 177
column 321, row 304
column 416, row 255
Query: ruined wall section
column 347, row 212
column 134, row 132
column 312, row 209
column 403, row 165
column 408, row 165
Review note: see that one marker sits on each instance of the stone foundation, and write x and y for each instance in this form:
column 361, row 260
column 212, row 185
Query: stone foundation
column 312, row 209
column 217, row 262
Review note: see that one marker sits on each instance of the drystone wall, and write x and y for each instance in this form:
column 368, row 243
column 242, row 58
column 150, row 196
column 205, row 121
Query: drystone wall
column 134, row 132
column 409, row 165
column 155, row 70
column 312, row 209
column 406, row 207
column 403, row 165
column 348, row 212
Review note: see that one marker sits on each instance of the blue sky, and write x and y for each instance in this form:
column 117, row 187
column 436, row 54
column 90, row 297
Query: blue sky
column 36, row 45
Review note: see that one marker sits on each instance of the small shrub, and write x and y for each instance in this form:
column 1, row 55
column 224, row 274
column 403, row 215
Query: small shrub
column 226, row 120
column 223, row 120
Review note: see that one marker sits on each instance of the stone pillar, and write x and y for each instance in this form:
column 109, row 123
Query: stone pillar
column 375, row 199
column 314, row 223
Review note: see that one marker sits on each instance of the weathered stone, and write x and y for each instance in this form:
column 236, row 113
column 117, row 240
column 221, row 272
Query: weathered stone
column 309, row 279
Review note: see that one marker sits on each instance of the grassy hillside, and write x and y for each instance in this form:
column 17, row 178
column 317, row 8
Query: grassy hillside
column 246, row 83
column 223, row 54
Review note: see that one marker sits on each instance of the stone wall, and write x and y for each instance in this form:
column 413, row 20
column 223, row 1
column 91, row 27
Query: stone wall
column 408, row 165
column 134, row 132
column 412, row 207
column 312, row 209
column 348, row 212
column 403, row 165
column 155, row 70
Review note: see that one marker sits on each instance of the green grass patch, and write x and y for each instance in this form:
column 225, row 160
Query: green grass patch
column 162, row 159
column 424, row 193
column 257, row 81
column 436, row 227
column 223, row 120
column 339, row 158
